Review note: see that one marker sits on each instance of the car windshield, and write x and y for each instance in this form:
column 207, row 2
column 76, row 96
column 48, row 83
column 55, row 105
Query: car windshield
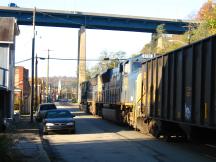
column 47, row 107
column 58, row 114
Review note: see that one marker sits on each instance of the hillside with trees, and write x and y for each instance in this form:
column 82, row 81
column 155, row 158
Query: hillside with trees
column 202, row 26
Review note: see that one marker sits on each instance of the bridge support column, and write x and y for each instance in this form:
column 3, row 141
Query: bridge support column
column 81, row 64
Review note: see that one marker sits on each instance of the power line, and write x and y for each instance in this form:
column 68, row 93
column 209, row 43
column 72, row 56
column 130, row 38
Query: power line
column 67, row 20
column 59, row 18
column 69, row 59
column 23, row 61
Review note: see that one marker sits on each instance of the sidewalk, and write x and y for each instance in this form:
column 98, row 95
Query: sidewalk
column 27, row 141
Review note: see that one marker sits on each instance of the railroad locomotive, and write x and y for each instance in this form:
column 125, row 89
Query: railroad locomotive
column 111, row 94
column 171, row 95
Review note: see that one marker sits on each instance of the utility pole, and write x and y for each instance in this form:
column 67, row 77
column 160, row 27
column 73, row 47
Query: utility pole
column 47, row 82
column 36, row 81
column 32, row 66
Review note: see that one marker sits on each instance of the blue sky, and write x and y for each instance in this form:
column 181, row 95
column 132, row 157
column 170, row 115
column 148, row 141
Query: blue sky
column 64, row 41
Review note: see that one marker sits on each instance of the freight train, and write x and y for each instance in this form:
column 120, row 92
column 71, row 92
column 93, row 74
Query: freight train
column 169, row 95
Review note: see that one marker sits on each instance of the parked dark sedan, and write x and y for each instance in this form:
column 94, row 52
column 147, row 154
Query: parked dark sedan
column 58, row 120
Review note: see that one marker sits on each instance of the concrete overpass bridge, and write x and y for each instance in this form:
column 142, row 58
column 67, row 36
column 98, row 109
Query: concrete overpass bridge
column 83, row 20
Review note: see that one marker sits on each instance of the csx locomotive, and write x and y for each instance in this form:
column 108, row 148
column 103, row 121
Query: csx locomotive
column 170, row 95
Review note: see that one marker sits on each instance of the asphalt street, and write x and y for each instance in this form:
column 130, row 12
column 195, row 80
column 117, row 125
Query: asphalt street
column 97, row 140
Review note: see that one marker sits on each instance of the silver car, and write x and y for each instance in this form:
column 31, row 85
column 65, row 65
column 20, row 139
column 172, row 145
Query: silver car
column 42, row 109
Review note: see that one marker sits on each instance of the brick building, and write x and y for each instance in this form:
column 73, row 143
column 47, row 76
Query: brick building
column 22, row 90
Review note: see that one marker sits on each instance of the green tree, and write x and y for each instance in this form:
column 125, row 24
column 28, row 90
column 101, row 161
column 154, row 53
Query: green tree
column 207, row 22
column 206, row 26
column 207, row 14
column 106, row 60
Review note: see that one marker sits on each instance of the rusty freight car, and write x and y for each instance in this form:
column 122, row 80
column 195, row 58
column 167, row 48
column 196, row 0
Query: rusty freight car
column 179, row 91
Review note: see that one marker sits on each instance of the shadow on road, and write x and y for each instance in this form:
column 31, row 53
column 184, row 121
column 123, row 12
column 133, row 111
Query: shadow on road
column 97, row 140
column 89, row 124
